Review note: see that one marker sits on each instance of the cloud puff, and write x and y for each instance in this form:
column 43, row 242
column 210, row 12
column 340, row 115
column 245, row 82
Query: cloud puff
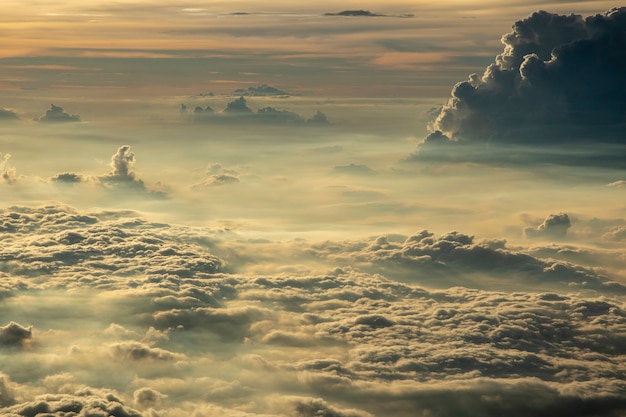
column 318, row 118
column 122, row 163
column 67, row 177
column 6, row 114
column 218, row 175
column 136, row 351
column 147, row 397
column 560, row 79
column 56, row 114
column 14, row 334
column 7, row 171
column 616, row 233
column 554, row 226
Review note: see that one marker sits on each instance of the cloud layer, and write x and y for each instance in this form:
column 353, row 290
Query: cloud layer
column 172, row 333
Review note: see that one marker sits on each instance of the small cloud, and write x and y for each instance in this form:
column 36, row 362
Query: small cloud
column 616, row 233
column 318, row 119
column 6, row 114
column 121, row 163
column 364, row 13
column 14, row 334
column 262, row 90
column 218, row 175
column 68, row 178
column 618, row 184
column 354, row 169
column 237, row 111
column 147, row 397
column 7, row 171
column 56, row 114
column 238, row 106
column 222, row 179
column 554, row 226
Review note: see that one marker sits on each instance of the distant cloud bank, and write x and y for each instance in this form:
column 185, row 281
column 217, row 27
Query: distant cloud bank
column 237, row 111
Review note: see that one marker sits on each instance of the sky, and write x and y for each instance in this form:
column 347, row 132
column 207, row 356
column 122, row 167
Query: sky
column 340, row 209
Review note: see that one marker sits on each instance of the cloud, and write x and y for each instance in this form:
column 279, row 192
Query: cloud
column 554, row 226
column 218, row 175
column 616, row 233
column 617, row 184
column 14, row 334
column 56, row 114
column 222, row 179
column 434, row 260
column 559, row 80
column 262, row 90
column 86, row 401
column 71, row 243
column 318, row 118
column 237, row 106
column 147, row 398
column 354, row 169
column 6, row 114
column 172, row 337
column 122, row 163
column 363, row 13
column 7, row 171
column 136, row 351
column 237, row 111
column 67, row 177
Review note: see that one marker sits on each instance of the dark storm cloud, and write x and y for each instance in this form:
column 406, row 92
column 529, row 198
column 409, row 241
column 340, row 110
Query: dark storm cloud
column 56, row 114
column 555, row 226
column 560, row 79
column 6, row 114
column 14, row 334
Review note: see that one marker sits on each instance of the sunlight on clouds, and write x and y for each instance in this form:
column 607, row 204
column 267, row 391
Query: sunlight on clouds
column 267, row 209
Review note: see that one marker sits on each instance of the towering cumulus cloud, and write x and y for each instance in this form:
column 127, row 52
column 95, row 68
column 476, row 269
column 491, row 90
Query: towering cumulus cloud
column 560, row 79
